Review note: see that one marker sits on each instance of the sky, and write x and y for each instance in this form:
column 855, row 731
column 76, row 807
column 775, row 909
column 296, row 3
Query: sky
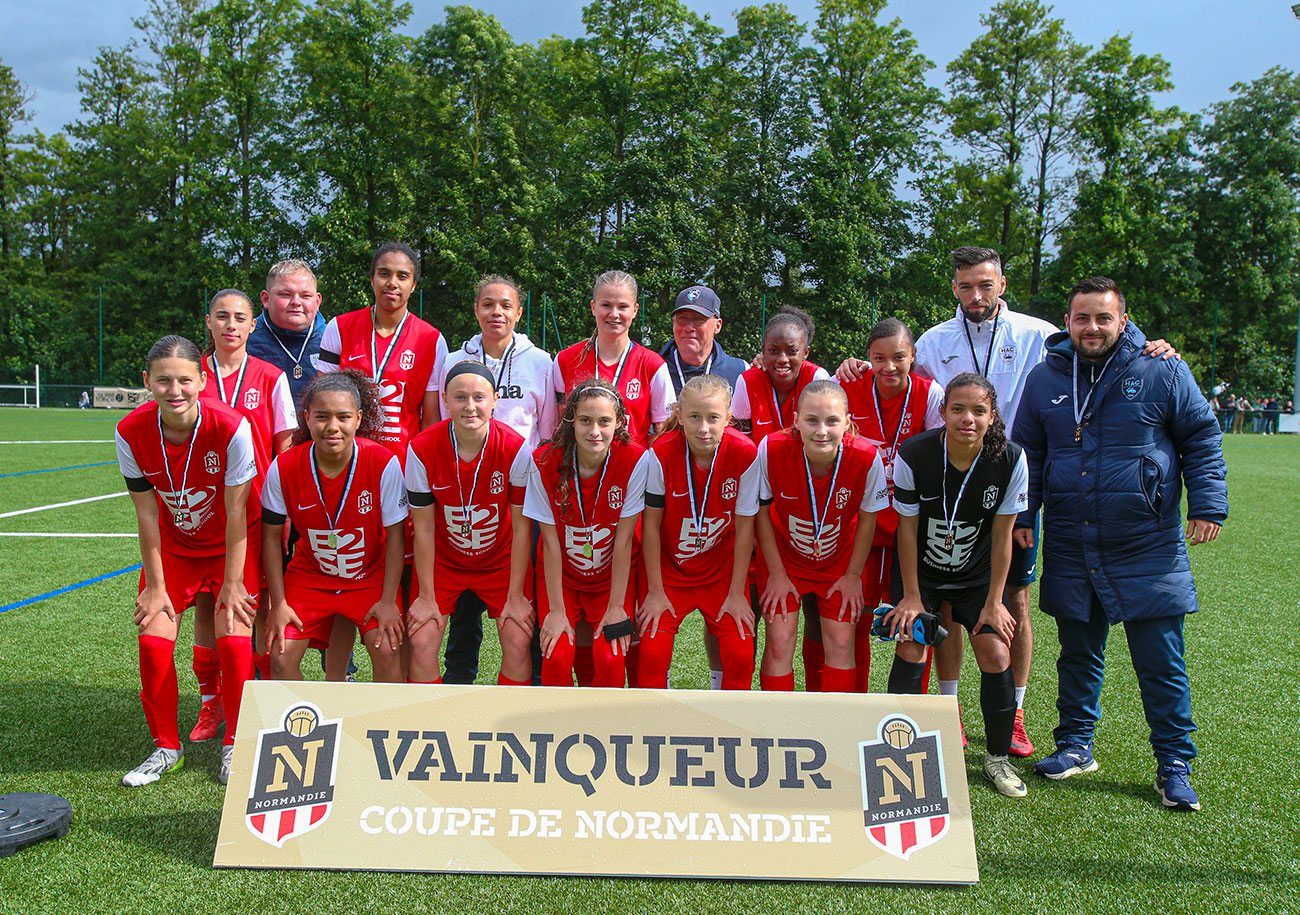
column 1211, row 45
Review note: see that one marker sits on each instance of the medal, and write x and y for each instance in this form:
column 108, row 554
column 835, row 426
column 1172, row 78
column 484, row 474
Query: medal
column 179, row 514
column 698, row 512
column 1081, row 408
column 467, row 507
column 297, row 367
column 332, row 538
column 819, row 521
column 297, row 371
column 904, row 419
column 950, row 520
column 587, row 548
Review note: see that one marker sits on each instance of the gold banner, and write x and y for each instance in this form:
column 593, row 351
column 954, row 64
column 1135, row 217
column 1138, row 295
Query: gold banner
column 120, row 398
column 598, row 782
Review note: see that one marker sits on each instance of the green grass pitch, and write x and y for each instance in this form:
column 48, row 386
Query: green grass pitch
column 70, row 724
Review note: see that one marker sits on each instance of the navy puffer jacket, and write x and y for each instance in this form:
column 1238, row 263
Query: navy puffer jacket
column 1111, row 503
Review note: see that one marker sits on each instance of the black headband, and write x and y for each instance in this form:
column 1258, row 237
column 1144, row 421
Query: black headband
column 469, row 367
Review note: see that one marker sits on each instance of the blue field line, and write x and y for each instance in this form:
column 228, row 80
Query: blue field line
column 24, row 473
column 64, row 590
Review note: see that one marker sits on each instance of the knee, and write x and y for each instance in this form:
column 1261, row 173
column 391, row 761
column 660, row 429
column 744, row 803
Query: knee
column 910, row 652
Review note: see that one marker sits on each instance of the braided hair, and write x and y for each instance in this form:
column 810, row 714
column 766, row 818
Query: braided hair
column 566, row 441
column 364, row 393
column 995, row 439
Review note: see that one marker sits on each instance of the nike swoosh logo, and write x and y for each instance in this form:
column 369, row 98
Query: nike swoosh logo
column 1059, row 399
column 436, row 488
column 303, row 508
column 678, row 495
column 929, row 498
column 784, row 496
column 949, row 359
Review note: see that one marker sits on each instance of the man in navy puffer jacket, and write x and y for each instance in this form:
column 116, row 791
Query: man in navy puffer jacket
column 1110, row 440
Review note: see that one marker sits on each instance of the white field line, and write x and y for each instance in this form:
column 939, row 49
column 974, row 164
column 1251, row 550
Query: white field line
column 62, row 441
column 45, row 534
column 41, row 508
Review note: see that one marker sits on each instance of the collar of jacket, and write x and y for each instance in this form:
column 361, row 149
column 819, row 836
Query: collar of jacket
column 1060, row 352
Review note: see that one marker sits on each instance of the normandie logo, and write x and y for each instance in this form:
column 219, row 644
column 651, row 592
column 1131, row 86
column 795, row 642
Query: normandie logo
column 904, row 791
column 294, row 769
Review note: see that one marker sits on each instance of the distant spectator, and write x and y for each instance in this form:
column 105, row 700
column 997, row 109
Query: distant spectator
column 1257, row 419
column 1227, row 413
column 1271, row 409
column 1239, row 418
column 84, row 400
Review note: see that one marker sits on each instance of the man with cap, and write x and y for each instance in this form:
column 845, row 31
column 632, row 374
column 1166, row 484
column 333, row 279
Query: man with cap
column 697, row 318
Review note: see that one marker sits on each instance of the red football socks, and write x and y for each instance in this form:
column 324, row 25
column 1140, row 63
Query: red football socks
column 503, row 680
column 207, row 669
column 814, row 656
column 158, row 690
column 777, row 682
column 584, row 667
column 236, row 655
column 838, row 679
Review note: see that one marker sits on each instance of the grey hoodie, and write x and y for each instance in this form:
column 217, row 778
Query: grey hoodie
column 524, row 399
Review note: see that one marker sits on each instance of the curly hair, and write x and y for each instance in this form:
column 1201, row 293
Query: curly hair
column 565, row 440
column 995, row 439
column 364, row 392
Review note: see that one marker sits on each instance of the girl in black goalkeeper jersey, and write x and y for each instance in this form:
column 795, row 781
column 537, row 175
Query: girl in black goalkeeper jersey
column 958, row 490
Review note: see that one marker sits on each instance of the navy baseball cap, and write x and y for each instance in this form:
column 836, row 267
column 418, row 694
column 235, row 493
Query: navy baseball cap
column 700, row 299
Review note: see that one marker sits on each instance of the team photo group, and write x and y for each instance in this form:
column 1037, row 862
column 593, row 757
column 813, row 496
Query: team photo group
column 297, row 482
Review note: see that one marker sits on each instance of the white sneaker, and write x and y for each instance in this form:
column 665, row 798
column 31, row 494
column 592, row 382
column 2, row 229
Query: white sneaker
column 159, row 763
column 226, row 753
column 1003, row 775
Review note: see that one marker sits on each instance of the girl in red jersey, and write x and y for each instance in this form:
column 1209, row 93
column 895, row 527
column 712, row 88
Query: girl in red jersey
column 189, row 468
column 638, row 374
column 259, row 391
column 822, row 486
column 586, row 489
column 698, row 533
column 346, row 496
column 888, row 404
column 465, row 478
column 765, row 397
column 400, row 353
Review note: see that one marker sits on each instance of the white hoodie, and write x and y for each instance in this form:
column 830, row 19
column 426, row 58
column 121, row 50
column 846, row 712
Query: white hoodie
column 524, row 399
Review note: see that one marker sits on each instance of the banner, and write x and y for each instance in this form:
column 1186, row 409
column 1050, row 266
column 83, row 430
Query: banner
column 598, row 782
column 120, row 398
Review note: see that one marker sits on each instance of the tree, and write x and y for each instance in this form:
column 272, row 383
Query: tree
column 14, row 99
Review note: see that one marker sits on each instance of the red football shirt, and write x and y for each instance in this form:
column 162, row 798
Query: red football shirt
column 411, row 361
column 472, row 499
column 190, row 479
column 755, row 400
column 261, row 392
column 343, row 539
column 783, row 481
column 644, row 383
column 685, row 561
column 621, row 494
column 904, row 415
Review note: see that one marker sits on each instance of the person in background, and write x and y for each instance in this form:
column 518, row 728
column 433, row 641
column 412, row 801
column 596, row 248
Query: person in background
column 288, row 332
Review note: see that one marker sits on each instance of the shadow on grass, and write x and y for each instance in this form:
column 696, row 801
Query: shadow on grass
column 187, row 837
column 1127, row 871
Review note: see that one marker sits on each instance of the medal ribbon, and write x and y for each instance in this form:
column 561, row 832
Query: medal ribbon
column 820, row 522
column 622, row 361
column 582, row 511
column 988, row 357
column 478, row 465
column 221, row 387
column 501, row 368
column 1081, row 408
column 178, row 514
column 903, row 415
column 378, row 367
column 698, row 515
column 681, row 376
column 347, row 488
column 297, row 360
column 949, row 520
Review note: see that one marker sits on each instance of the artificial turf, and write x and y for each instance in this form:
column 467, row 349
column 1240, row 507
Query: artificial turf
column 70, row 724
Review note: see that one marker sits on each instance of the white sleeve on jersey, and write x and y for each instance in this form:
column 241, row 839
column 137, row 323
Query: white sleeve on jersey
column 934, row 406
column 740, row 400
column 537, row 504
column 282, row 410
column 1016, row 499
column 747, row 495
column 520, row 465
column 662, row 395
column 548, row 410
column 654, row 478
column 821, row 375
column 126, row 458
column 392, row 493
column 272, row 494
column 241, row 466
column 417, row 478
column 764, row 483
column 903, row 480
column 331, row 344
column 557, row 378
column 439, row 365
column 634, row 498
column 875, row 492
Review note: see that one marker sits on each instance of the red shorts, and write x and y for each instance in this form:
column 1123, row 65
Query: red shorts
column 317, row 608
column 491, row 587
column 188, row 576
column 585, row 605
column 706, row 598
column 875, row 586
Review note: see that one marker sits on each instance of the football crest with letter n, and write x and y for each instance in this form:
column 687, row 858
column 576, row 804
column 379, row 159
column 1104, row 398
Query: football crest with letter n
column 683, row 783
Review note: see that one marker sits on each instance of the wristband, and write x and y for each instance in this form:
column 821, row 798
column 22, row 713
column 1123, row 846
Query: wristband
column 617, row 630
